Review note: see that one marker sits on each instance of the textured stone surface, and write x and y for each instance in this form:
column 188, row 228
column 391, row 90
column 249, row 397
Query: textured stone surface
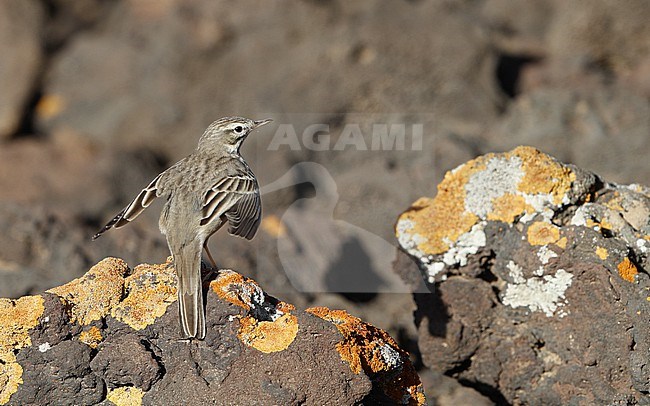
column 126, row 87
column 20, row 29
column 112, row 335
column 538, row 272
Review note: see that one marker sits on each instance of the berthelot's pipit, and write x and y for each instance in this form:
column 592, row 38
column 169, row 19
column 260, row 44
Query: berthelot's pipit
column 210, row 187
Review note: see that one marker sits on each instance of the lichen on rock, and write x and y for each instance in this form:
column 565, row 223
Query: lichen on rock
column 112, row 336
column 560, row 270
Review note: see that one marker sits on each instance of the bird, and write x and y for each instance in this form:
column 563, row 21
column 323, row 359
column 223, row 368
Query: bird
column 207, row 189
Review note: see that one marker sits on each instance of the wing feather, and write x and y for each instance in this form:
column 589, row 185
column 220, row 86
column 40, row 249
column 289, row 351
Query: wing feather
column 133, row 210
column 238, row 198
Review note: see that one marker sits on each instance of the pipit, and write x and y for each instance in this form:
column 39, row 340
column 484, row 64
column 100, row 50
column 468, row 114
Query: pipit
column 210, row 187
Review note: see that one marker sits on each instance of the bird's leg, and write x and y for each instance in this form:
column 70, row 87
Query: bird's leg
column 207, row 251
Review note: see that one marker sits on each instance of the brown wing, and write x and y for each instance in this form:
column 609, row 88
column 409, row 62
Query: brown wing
column 133, row 210
column 238, row 198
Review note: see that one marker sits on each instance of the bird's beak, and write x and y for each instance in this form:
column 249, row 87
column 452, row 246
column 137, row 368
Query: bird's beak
column 260, row 123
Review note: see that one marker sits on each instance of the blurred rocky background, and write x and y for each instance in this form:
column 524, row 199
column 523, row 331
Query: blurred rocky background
column 98, row 96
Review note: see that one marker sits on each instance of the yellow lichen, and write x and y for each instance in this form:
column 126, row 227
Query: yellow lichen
column 602, row 253
column 435, row 224
column 542, row 233
column 17, row 317
column 125, row 396
column 91, row 337
column 543, row 174
column 93, row 295
column 561, row 242
column 269, row 336
column 508, row 207
column 11, row 376
column 447, row 208
column 151, row 289
column 606, row 224
column 627, row 270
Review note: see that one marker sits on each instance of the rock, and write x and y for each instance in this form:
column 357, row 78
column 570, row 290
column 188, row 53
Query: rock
column 20, row 30
column 596, row 127
column 538, row 274
column 112, row 335
column 40, row 249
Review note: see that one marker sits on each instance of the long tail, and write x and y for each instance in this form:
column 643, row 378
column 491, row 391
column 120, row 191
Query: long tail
column 187, row 261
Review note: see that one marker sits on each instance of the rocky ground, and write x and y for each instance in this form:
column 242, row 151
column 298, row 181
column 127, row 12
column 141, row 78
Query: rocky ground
column 111, row 337
column 98, row 96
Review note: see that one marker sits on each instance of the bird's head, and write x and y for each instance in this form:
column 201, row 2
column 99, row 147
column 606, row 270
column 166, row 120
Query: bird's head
column 229, row 133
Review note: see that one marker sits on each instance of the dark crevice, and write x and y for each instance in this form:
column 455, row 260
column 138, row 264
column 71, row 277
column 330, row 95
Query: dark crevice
column 156, row 356
column 508, row 71
column 359, row 297
column 486, row 390
column 410, row 345
column 461, row 367
column 27, row 126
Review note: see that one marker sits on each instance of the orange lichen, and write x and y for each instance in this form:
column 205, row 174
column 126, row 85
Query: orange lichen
column 91, row 337
column 627, row 270
column 17, row 317
column 364, row 348
column 263, row 335
column 93, row 295
column 602, row 253
column 269, row 336
column 49, row 106
column 542, row 233
column 543, row 174
column 273, row 226
column 230, row 286
column 151, row 289
column 508, row 207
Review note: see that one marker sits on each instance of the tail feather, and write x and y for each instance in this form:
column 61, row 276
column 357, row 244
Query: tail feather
column 187, row 261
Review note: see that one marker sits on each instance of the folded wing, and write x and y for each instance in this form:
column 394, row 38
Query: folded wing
column 236, row 197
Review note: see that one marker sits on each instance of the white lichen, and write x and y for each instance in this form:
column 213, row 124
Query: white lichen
column 390, row 356
column 410, row 241
column 516, row 273
column 467, row 244
column 545, row 294
column 545, row 254
column 642, row 245
column 581, row 215
column 501, row 176
column 44, row 347
column 433, row 270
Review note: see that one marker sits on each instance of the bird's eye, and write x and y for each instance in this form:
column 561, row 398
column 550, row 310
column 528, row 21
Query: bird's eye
column 239, row 129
